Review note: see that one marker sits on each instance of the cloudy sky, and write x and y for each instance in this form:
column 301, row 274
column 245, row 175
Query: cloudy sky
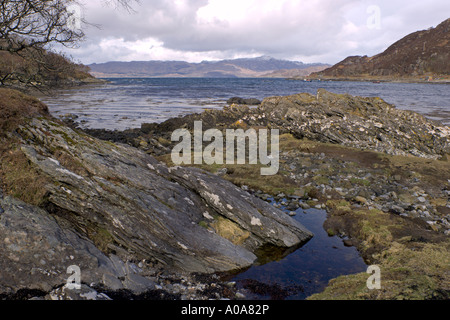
column 304, row 30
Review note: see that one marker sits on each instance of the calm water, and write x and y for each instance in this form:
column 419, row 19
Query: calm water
column 127, row 103
column 309, row 269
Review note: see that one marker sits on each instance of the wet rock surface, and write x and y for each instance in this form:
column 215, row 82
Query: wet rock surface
column 365, row 123
column 242, row 101
column 107, row 208
column 382, row 174
column 369, row 127
column 385, row 187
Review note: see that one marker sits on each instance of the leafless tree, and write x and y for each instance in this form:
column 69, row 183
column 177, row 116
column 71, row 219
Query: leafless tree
column 36, row 23
column 125, row 4
column 28, row 27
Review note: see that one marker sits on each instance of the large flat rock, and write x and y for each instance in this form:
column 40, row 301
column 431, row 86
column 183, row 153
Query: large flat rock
column 103, row 200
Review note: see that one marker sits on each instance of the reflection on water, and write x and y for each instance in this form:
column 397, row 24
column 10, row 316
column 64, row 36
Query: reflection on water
column 305, row 271
column 127, row 103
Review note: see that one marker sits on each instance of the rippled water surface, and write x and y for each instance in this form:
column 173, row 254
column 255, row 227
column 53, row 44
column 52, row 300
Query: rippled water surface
column 127, row 103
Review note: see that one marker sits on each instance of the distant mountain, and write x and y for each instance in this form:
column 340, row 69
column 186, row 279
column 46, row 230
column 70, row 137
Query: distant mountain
column 422, row 54
column 295, row 73
column 241, row 68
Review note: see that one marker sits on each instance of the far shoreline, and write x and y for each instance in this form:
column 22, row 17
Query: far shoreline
column 374, row 80
column 307, row 79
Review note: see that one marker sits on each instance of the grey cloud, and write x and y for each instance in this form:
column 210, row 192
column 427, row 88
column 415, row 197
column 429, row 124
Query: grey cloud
column 292, row 31
column 159, row 18
column 311, row 28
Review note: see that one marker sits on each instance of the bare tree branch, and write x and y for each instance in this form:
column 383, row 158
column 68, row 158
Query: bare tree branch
column 125, row 4
column 34, row 23
column 28, row 27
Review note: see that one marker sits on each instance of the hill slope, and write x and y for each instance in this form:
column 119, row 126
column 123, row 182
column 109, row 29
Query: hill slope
column 41, row 69
column 421, row 54
column 246, row 67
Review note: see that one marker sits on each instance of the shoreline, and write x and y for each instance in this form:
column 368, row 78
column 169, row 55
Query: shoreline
column 396, row 199
column 388, row 203
column 381, row 80
column 173, row 97
column 374, row 80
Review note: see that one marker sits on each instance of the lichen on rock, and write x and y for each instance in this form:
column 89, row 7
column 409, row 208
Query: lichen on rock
column 122, row 202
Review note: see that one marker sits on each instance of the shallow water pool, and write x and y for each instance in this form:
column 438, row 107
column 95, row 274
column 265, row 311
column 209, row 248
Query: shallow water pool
column 305, row 271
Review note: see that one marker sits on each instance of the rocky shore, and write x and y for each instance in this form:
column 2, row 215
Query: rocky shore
column 70, row 199
column 382, row 174
column 113, row 204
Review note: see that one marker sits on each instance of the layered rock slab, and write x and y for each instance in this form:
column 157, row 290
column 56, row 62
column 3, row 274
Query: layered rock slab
column 360, row 122
column 104, row 200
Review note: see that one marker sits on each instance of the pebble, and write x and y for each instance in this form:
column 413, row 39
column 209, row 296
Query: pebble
column 422, row 199
column 397, row 209
column 240, row 295
column 361, row 200
column 426, row 214
column 304, row 206
column 380, row 194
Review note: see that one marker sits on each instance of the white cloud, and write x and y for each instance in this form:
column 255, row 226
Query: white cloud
column 195, row 30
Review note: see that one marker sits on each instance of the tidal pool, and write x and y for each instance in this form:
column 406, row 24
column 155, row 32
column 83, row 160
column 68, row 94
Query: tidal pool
column 305, row 271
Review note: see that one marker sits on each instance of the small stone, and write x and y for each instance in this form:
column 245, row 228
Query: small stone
column 361, row 200
column 304, row 206
column 293, row 205
column 143, row 143
column 240, row 295
column 397, row 209
column 422, row 199
column 292, row 213
column 433, row 225
column 224, row 171
column 137, row 283
column 348, row 243
column 426, row 214
column 111, row 282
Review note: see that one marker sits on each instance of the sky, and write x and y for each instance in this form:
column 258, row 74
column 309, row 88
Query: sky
column 311, row 31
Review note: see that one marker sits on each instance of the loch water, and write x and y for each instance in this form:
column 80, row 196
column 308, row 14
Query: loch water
column 127, row 103
column 305, row 271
